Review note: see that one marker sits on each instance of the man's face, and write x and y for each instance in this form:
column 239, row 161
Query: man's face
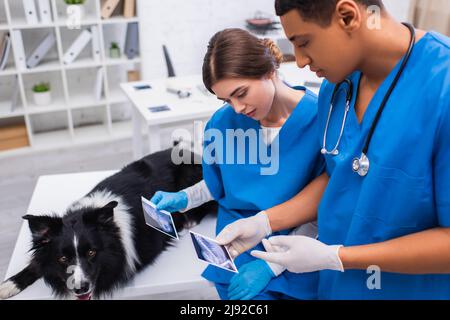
column 330, row 51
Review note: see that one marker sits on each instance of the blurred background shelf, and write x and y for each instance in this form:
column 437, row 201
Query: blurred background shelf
column 77, row 113
column 9, row 70
column 119, row 19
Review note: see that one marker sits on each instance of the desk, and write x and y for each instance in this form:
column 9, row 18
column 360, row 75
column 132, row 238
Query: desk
column 197, row 107
column 164, row 276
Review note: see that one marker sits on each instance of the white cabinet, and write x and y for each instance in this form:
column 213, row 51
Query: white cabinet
column 76, row 115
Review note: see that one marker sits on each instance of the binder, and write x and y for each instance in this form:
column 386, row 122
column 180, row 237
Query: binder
column 19, row 51
column 15, row 94
column 98, row 88
column 2, row 42
column 5, row 51
column 30, row 11
column 77, row 46
column 132, row 40
column 129, row 8
column 108, row 8
column 41, row 50
column 95, row 44
column 45, row 12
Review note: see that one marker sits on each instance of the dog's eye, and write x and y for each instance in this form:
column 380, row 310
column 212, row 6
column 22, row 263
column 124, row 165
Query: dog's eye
column 63, row 259
column 91, row 253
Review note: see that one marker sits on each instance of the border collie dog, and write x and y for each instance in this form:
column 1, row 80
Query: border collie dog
column 102, row 240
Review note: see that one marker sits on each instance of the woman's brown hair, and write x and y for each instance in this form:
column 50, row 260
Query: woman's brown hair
column 236, row 53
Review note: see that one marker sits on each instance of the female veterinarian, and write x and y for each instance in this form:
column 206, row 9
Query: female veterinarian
column 385, row 118
column 240, row 69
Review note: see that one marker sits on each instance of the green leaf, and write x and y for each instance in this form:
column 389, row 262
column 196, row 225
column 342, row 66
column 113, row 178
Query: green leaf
column 41, row 87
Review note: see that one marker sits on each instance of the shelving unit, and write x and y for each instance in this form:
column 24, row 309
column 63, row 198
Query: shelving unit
column 75, row 116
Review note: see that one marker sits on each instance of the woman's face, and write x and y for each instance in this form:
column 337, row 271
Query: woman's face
column 250, row 97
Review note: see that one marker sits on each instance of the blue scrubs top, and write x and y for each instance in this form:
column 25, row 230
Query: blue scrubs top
column 241, row 191
column 407, row 189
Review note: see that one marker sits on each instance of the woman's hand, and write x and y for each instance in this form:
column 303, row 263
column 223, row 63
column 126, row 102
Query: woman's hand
column 252, row 278
column 170, row 201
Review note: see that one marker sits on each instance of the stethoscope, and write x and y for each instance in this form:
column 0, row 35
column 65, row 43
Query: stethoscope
column 361, row 165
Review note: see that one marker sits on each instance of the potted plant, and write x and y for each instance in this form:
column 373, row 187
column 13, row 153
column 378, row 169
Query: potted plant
column 79, row 7
column 114, row 50
column 42, row 94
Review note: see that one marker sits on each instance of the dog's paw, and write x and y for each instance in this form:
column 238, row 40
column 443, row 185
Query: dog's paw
column 8, row 289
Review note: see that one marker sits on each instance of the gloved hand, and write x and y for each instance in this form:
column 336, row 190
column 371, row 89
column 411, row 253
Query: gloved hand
column 170, row 201
column 252, row 278
column 244, row 234
column 300, row 254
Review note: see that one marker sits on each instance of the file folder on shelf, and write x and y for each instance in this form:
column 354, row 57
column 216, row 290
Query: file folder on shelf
column 77, row 46
column 30, row 12
column 98, row 89
column 108, row 8
column 19, row 51
column 129, row 8
column 132, row 41
column 95, row 44
column 45, row 12
column 5, row 50
column 41, row 50
column 15, row 94
column 3, row 35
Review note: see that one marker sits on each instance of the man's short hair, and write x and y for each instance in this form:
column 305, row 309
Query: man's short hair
column 319, row 11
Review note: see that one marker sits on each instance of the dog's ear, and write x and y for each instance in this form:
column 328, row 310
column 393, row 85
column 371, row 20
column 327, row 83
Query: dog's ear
column 43, row 228
column 106, row 213
column 111, row 205
column 102, row 215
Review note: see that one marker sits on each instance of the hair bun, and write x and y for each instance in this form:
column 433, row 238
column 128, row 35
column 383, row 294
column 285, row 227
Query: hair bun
column 274, row 51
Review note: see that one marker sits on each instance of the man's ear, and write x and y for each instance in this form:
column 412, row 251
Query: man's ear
column 43, row 228
column 102, row 215
column 348, row 13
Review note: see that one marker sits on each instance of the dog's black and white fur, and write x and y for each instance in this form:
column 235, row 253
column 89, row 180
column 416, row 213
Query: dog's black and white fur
column 102, row 240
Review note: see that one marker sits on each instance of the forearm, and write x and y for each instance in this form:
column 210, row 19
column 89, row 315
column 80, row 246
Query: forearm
column 197, row 195
column 300, row 209
column 426, row 252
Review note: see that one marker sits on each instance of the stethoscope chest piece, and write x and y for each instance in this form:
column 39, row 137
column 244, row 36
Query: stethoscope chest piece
column 361, row 165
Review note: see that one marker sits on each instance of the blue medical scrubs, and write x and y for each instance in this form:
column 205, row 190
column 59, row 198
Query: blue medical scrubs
column 241, row 191
column 407, row 189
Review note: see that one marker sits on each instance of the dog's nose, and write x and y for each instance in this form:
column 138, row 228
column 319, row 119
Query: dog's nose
column 83, row 289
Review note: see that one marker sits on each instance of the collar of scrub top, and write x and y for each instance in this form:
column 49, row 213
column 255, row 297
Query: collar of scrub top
column 361, row 165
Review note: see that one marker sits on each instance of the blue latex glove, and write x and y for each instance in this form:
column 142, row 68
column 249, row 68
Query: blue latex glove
column 170, row 201
column 252, row 278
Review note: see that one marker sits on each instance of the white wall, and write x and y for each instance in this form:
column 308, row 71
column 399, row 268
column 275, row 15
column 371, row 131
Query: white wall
column 185, row 27
column 399, row 9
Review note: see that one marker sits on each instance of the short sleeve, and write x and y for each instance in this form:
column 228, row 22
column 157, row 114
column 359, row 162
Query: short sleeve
column 210, row 161
column 441, row 166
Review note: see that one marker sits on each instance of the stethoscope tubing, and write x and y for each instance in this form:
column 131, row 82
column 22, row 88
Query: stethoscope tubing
column 362, row 164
